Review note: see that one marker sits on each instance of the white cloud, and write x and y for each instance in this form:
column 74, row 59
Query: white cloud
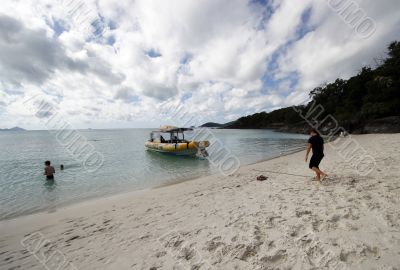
column 333, row 50
column 112, row 63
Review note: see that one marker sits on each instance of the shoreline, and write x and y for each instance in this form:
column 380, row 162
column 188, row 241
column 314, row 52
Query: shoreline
column 287, row 221
column 217, row 173
column 55, row 208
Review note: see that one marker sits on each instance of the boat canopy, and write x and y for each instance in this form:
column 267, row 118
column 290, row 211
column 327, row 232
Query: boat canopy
column 173, row 129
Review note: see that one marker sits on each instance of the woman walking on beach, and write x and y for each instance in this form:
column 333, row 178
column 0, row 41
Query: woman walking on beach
column 316, row 143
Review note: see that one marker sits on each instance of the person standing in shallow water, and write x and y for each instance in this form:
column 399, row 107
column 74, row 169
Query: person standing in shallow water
column 49, row 170
column 316, row 143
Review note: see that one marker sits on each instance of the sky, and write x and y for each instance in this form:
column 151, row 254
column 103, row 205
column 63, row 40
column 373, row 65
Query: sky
column 143, row 63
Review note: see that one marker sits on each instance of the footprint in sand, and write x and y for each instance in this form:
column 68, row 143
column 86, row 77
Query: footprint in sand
column 275, row 257
column 214, row 243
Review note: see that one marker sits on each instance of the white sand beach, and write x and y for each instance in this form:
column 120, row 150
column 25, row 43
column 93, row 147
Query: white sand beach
column 289, row 221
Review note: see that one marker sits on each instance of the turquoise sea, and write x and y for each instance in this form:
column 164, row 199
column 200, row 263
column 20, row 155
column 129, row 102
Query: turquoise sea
column 127, row 165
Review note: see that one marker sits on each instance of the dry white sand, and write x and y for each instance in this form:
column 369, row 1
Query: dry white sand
column 287, row 222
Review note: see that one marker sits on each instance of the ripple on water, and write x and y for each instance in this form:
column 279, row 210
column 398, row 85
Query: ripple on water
column 127, row 165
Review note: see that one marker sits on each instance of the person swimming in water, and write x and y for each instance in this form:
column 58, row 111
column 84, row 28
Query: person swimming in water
column 49, row 170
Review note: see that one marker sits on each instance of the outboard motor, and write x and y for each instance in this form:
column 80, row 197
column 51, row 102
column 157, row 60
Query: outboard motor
column 202, row 152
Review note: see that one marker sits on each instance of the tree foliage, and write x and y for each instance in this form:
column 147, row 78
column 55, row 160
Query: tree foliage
column 371, row 94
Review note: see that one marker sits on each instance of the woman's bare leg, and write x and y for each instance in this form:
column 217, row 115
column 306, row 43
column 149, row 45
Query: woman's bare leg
column 323, row 175
column 317, row 172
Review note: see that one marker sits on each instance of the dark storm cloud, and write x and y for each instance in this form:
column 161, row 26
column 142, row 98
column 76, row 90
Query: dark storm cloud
column 159, row 92
column 126, row 94
column 103, row 70
column 30, row 55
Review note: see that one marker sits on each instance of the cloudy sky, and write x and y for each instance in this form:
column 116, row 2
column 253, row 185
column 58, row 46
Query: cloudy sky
column 120, row 63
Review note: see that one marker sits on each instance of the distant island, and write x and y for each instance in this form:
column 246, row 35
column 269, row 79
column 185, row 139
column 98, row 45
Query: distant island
column 366, row 103
column 12, row 129
column 212, row 125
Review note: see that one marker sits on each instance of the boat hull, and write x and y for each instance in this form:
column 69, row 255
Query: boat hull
column 190, row 152
column 181, row 149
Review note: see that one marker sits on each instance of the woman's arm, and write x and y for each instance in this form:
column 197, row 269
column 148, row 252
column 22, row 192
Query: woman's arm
column 308, row 151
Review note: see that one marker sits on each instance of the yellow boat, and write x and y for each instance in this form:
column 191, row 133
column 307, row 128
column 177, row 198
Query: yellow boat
column 175, row 143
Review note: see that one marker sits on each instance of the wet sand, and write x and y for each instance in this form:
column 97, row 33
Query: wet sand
column 289, row 221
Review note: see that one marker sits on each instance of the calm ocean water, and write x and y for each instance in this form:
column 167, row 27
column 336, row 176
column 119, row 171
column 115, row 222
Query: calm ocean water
column 127, row 165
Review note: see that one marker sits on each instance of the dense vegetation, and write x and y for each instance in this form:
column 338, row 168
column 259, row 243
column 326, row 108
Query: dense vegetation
column 370, row 95
column 212, row 125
